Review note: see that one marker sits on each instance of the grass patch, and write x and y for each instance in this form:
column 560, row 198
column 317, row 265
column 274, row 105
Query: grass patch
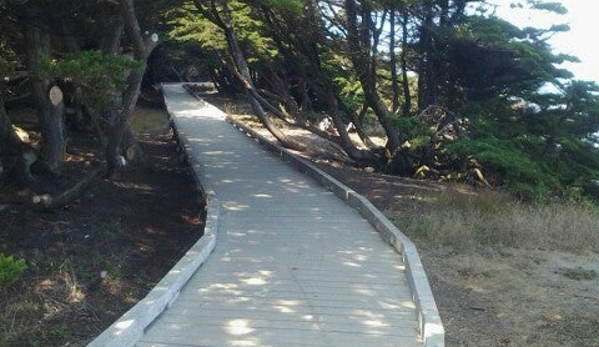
column 493, row 218
column 149, row 120
column 573, row 327
column 580, row 274
column 10, row 269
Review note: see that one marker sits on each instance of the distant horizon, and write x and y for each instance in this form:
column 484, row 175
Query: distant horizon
column 584, row 26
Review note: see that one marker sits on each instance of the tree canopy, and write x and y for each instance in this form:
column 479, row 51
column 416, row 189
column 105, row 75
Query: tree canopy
column 458, row 93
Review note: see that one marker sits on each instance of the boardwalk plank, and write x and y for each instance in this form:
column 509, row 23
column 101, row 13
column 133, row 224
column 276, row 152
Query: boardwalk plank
column 293, row 265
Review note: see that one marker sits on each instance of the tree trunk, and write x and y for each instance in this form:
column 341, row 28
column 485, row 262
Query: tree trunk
column 427, row 88
column 407, row 104
column 357, row 120
column 49, row 104
column 54, row 143
column 48, row 202
column 242, row 71
column 365, row 66
column 393, row 62
column 143, row 45
column 359, row 155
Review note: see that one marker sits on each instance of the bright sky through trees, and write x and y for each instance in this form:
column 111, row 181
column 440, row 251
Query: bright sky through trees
column 580, row 41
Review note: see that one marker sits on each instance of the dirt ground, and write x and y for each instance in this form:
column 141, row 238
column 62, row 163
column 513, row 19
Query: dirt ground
column 90, row 261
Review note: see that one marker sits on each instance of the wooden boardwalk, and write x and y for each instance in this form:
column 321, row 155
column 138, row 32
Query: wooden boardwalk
column 293, row 264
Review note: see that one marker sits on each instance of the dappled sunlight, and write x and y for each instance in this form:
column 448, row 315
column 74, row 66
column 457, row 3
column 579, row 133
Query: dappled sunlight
column 122, row 325
column 284, row 309
column 289, row 302
column 351, row 263
column 76, row 295
column 254, row 281
column 364, row 291
column 292, row 263
column 239, row 327
column 187, row 110
column 221, row 286
column 361, row 313
column 375, row 323
column 217, row 153
column 235, row 206
column 225, row 290
column 265, row 196
column 244, row 343
column 238, row 300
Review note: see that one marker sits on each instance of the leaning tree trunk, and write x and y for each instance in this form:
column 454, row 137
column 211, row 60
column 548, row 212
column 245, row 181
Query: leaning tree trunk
column 320, row 84
column 243, row 73
column 49, row 104
column 360, row 36
column 119, row 129
column 239, row 65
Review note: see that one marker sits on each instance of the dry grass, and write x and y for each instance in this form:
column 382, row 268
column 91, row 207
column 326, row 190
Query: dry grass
column 493, row 218
column 506, row 273
column 149, row 120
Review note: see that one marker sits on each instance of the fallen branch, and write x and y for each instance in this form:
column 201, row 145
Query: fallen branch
column 47, row 202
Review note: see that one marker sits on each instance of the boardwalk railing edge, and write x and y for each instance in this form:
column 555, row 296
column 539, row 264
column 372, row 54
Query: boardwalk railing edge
column 131, row 326
column 431, row 326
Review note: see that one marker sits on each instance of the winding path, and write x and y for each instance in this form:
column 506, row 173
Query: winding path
column 293, row 265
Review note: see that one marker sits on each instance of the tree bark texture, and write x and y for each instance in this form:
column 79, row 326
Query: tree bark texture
column 393, row 61
column 239, row 65
column 359, row 38
column 50, row 202
column 143, row 45
column 50, row 112
column 407, row 103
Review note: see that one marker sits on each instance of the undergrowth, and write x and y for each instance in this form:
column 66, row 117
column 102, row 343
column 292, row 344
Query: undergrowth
column 10, row 269
column 492, row 218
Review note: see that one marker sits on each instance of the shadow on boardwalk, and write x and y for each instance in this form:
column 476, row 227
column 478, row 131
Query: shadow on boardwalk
column 293, row 264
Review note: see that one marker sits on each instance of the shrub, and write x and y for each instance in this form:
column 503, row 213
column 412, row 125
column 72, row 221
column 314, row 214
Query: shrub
column 524, row 175
column 10, row 269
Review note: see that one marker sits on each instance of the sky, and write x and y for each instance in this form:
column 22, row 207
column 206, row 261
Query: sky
column 581, row 41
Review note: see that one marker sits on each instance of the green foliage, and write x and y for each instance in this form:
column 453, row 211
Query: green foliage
column 97, row 75
column 493, row 152
column 552, row 6
column 489, row 57
column 412, row 127
column 484, row 69
column 10, row 269
column 533, row 155
column 187, row 24
column 522, row 173
column 293, row 6
column 580, row 274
